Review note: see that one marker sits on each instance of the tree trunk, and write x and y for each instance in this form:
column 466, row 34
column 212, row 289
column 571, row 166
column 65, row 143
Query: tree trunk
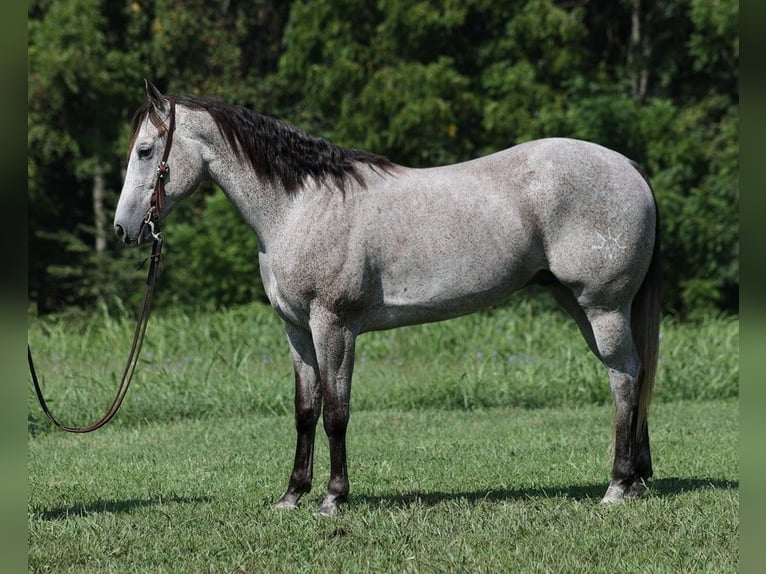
column 636, row 59
column 99, row 215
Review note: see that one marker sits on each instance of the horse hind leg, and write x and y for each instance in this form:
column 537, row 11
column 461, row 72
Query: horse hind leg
column 614, row 345
column 609, row 336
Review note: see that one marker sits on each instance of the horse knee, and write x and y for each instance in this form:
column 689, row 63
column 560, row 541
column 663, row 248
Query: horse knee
column 624, row 387
column 306, row 418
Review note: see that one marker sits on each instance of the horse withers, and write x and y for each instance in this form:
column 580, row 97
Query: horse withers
column 350, row 242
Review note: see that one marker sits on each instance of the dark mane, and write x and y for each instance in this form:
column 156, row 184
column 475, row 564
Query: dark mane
column 277, row 151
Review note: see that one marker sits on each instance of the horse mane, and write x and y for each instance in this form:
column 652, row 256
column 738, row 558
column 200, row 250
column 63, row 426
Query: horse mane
column 276, row 150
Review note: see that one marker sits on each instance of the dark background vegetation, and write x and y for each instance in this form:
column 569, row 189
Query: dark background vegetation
column 423, row 82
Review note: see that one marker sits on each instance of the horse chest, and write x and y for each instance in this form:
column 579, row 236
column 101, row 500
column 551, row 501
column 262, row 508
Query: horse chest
column 284, row 293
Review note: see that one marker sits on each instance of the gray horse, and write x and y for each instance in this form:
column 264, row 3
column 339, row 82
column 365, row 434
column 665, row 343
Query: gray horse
column 350, row 242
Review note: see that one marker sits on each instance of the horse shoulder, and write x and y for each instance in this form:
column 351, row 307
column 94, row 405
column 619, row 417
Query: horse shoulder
column 318, row 262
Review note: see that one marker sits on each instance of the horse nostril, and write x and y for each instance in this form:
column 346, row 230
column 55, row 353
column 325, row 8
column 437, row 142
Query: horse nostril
column 119, row 231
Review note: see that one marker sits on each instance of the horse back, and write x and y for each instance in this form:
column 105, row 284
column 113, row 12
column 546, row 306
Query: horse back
column 418, row 245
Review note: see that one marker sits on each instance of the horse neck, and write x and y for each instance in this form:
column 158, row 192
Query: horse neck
column 262, row 203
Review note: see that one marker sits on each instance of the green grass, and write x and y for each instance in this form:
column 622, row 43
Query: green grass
column 236, row 362
column 476, row 445
column 496, row 490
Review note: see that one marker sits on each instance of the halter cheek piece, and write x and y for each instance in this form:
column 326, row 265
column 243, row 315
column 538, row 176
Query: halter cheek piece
column 157, row 201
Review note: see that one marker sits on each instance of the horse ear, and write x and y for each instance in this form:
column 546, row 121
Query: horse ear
column 159, row 101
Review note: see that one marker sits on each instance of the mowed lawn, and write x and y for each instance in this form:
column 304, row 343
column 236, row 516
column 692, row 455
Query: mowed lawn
column 498, row 490
column 453, row 469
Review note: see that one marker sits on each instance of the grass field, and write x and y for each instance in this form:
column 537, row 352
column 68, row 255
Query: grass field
column 476, row 445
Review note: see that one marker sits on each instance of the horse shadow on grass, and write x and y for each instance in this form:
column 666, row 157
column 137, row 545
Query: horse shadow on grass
column 662, row 488
column 113, row 506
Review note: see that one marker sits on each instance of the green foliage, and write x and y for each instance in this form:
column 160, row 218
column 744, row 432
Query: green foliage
column 211, row 256
column 714, row 43
column 414, row 111
column 696, row 178
column 420, row 81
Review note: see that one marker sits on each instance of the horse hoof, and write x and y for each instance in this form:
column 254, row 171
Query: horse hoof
column 328, row 508
column 616, row 493
column 326, row 511
column 286, row 505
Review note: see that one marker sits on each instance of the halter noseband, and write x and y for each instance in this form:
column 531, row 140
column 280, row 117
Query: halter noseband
column 157, row 201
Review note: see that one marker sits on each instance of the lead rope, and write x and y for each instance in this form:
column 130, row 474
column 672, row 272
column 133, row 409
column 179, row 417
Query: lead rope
column 135, row 350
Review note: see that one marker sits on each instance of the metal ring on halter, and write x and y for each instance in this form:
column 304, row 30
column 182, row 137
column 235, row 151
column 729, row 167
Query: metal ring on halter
column 150, row 222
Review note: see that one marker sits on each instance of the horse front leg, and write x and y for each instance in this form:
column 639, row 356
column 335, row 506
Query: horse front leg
column 335, row 344
column 308, row 404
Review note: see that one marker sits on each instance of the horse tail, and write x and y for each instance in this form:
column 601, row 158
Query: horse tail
column 645, row 319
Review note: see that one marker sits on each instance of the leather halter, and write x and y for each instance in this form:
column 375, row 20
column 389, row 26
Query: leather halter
column 157, row 201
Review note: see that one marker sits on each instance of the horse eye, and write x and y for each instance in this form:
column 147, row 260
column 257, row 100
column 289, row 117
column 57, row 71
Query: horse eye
column 144, row 152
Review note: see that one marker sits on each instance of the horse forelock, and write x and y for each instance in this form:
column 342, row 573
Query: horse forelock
column 276, row 150
column 140, row 115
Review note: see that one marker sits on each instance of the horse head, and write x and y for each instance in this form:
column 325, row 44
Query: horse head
column 165, row 165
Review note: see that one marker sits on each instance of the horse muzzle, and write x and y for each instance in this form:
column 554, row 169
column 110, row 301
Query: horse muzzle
column 143, row 235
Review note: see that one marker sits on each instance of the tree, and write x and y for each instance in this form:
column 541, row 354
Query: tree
column 428, row 82
column 421, row 81
column 77, row 100
column 87, row 61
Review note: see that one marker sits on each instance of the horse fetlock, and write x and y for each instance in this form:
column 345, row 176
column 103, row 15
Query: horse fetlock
column 644, row 467
column 300, row 482
column 338, row 488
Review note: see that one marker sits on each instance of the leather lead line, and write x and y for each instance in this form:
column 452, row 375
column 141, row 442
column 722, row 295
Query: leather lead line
column 130, row 366
column 156, row 202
